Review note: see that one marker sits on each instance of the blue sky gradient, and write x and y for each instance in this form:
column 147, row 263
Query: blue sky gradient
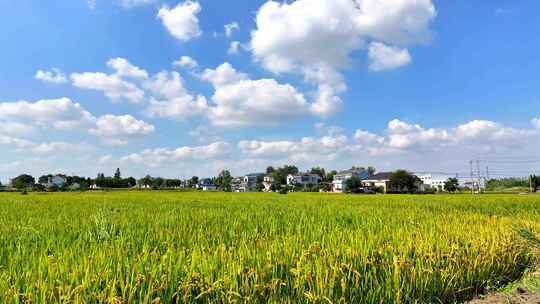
column 480, row 64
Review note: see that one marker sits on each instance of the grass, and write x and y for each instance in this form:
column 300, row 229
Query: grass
column 171, row 247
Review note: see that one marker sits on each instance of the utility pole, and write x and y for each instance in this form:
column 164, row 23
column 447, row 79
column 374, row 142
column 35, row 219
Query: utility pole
column 472, row 177
column 479, row 174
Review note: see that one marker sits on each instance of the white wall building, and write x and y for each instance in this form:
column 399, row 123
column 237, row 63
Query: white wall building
column 339, row 184
column 303, row 179
column 435, row 181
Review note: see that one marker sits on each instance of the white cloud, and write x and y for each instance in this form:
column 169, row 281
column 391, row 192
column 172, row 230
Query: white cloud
column 233, row 48
column 308, row 149
column 56, row 113
column 309, row 36
column 230, row 28
column 205, row 134
column 367, row 138
column 223, row 75
column 118, row 126
column 166, row 84
column 134, row 3
column 172, row 99
column 240, row 101
column 536, row 122
column 160, row 156
column 113, row 86
column 55, row 75
column 181, row 21
column 55, row 147
column 124, row 68
column 383, row 57
column 91, row 4
column 186, row 62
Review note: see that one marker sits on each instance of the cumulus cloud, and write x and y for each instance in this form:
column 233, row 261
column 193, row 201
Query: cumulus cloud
column 308, row 148
column 113, row 86
column 55, row 75
column 400, row 145
column 383, row 57
column 56, row 113
column 124, row 68
column 172, row 99
column 154, row 157
column 116, row 129
column 233, row 48
column 181, row 21
column 230, row 28
column 186, row 62
column 23, row 118
column 134, row 3
column 536, row 122
column 310, row 36
column 55, row 147
column 240, row 101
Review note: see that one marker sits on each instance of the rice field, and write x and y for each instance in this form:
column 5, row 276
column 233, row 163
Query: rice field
column 193, row 247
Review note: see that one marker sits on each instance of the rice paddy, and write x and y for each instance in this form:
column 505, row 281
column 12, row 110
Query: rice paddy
column 194, row 247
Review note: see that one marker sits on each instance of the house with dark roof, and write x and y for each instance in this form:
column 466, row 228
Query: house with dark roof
column 377, row 180
column 303, row 179
column 339, row 184
column 250, row 182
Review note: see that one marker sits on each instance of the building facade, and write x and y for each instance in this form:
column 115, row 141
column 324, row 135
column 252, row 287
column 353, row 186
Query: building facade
column 303, row 179
column 339, row 184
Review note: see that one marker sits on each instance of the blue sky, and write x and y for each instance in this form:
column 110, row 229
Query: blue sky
column 88, row 86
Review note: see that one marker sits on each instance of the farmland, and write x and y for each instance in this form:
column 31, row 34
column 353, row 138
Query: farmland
column 193, row 247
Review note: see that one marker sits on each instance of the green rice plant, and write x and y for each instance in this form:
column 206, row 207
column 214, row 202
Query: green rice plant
column 196, row 247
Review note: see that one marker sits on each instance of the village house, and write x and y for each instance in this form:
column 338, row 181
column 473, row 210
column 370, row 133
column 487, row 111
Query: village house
column 339, row 184
column 435, row 181
column 378, row 180
column 268, row 181
column 206, row 184
column 237, row 184
column 55, row 181
column 250, row 182
column 303, row 179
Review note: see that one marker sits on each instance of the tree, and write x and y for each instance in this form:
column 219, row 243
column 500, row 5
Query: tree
column 146, row 181
column 402, row 181
column 223, row 181
column 330, row 176
column 259, row 186
column 319, row 171
column 451, row 184
column 270, row 170
column 371, row 170
column 534, row 182
column 130, row 181
column 353, row 184
column 193, row 182
column 280, row 174
column 44, row 178
column 23, row 181
column 117, row 174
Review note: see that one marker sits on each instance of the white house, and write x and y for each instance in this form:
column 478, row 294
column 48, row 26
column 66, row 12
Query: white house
column 303, row 179
column 206, row 184
column 435, row 181
column 268, row 181
column 249, row 183
column 377, row 180
column 339, row 184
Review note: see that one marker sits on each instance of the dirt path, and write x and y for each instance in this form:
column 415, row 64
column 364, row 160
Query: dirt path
column 519, row 296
